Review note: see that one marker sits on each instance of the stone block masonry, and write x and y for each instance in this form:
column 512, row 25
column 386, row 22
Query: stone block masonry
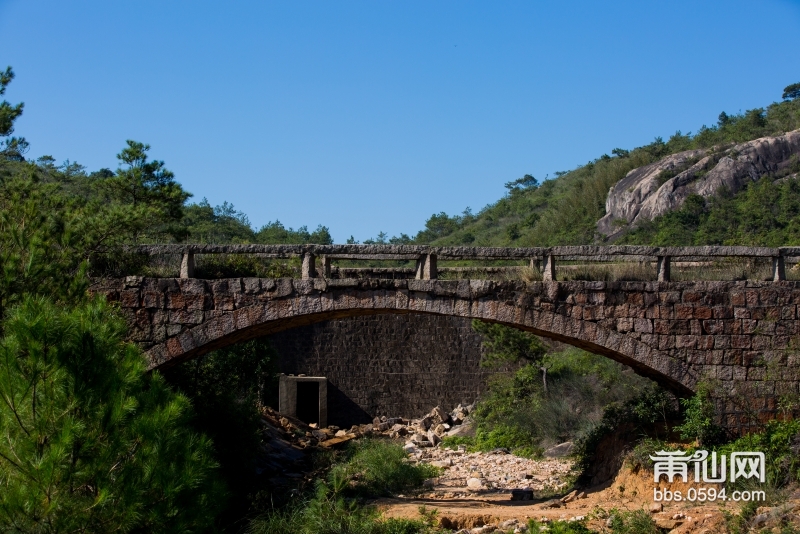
column 393, row 365
column 741, row 335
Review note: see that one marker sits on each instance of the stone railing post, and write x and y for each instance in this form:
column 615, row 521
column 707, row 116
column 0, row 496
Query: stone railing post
column 778, row 269
column 326, row 267
column 426, row 267
column 309, row 269
column 187, row 265
column 662, row 267
column 549, row 271
column 535, row 264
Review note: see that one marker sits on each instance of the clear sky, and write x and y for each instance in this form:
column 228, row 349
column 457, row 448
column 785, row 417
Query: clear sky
column 370, row 116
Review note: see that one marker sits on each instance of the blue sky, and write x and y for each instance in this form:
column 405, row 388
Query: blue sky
column 370, row 116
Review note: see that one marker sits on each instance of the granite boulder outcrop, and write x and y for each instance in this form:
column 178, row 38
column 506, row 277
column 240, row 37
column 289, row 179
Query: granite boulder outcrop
column 663, row 186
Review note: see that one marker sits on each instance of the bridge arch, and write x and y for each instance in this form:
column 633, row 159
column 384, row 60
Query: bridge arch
column 742, row 335
column 237, row 314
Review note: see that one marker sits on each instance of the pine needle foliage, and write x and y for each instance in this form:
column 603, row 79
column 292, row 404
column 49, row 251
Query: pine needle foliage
column 88, row 441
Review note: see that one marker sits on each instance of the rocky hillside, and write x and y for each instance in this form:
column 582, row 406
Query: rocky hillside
column 647, row 184
column 663, row 186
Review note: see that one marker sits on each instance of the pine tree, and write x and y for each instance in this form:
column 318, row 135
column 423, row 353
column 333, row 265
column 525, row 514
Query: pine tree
column 88, row 441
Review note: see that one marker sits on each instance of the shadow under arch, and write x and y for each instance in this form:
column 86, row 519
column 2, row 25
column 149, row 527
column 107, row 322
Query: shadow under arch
column 271, row 317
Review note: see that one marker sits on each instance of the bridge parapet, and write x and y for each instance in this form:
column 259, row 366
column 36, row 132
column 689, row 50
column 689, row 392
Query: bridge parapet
column 427, row 258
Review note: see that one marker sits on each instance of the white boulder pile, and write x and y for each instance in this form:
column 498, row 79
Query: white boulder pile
column 427, row 431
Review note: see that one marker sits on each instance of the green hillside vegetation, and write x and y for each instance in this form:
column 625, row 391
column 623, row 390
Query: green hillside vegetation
column 564, row 210
column 766, row 213
column 202, row 223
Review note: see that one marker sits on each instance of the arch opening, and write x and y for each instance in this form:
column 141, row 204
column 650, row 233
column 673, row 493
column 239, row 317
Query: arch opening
column 644, row 360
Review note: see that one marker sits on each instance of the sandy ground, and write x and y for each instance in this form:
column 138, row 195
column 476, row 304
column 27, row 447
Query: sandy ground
column 459, row 507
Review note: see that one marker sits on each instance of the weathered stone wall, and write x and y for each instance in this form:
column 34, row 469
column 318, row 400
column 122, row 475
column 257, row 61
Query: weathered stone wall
column 394, row 365
column 741, row 335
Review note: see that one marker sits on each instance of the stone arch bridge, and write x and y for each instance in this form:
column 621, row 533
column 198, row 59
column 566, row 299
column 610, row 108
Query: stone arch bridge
column 741, row 335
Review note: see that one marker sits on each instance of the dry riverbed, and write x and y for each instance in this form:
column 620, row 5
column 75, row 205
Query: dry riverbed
column 473, row 495
column 473, row 492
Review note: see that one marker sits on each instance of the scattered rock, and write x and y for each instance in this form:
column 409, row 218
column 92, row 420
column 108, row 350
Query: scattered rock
column 418, row 438
column 503, row 472
column 336, row 441
column 474, row 483
column 656, row 507
column 465, row 429
column 569, row 497
column 553, row 503
column 759, row 520
column 439, row 416
column 666, row 524
column 400, row 429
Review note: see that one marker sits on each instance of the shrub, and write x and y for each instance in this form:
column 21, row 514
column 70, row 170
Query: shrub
column 643, row 412
column 378, row 467
column 329, row 511
column 633, row 522
column 699, row 424
column 508, row 437
column 780, row 443
column 519, row 413
column 557, row 527
column 639, row 457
